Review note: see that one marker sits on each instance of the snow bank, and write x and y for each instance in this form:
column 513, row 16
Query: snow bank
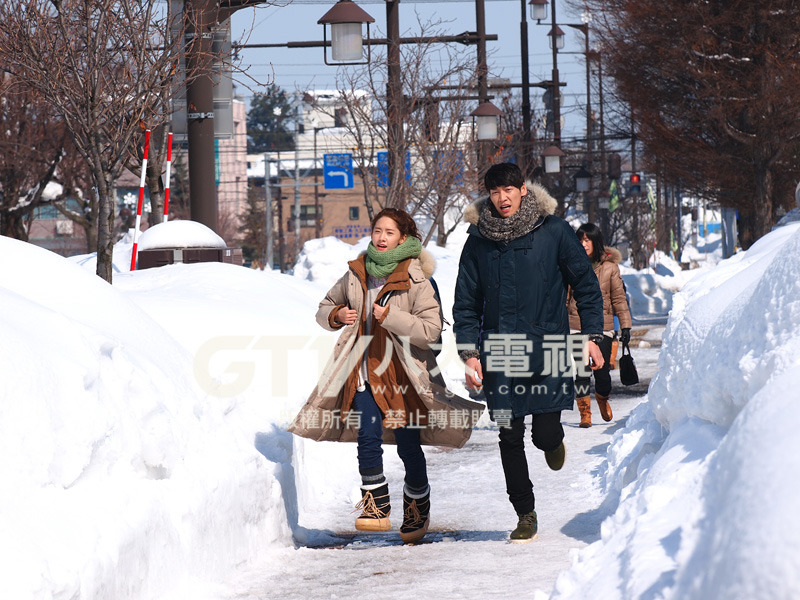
column 704, row 475
column 324, row 260
column 120, row 479
column 180, row 234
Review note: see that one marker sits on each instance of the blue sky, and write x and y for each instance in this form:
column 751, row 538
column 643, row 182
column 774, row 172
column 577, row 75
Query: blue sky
column 301, row 68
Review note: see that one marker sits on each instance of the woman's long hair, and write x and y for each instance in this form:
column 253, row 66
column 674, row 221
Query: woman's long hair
column 405, row 223
column 592, row 231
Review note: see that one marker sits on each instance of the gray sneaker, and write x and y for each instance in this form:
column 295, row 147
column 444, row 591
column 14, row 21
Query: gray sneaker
column 526, row 530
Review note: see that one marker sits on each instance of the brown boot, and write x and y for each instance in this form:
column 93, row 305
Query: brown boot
column 584, row 406
column 604, row 406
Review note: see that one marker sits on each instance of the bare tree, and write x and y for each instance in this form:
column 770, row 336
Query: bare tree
column 105, row 67
column 31, row 147
column 717, row 109
column 437, row 137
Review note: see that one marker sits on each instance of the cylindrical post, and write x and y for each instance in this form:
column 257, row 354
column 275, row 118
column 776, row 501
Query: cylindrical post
column 317, row 224
column 394, row 109
column 200, row 112
column 296, row 215
column 482, row 75
column 524, row 159
column 269, row 259
column 556, row 83
column 166, row 185
column 140, row 202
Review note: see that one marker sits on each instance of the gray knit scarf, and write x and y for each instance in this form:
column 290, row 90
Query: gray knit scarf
column 504, row 229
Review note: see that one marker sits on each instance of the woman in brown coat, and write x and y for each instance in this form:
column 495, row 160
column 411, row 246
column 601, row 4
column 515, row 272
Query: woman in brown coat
column 382, row 384
column 605, row 261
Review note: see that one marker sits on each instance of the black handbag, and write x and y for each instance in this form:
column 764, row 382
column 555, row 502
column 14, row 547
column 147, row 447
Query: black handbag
column 627, row 368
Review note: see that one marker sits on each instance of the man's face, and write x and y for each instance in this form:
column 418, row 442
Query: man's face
column 507, row 200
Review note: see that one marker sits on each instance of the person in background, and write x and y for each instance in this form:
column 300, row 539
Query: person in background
column 605, row 261
column 516, row 265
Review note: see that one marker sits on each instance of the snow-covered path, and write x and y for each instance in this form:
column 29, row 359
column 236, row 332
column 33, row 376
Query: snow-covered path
column 466, row 554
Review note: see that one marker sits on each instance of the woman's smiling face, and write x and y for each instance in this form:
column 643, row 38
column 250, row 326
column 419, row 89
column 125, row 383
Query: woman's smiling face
column 386, row 235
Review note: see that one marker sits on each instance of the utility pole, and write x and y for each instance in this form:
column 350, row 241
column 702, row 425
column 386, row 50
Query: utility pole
column 396, row 196
column 202, row 16
column 201, row 19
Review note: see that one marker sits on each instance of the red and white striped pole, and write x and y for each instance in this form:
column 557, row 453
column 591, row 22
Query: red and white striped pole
column 141, row 201
column 166, row 187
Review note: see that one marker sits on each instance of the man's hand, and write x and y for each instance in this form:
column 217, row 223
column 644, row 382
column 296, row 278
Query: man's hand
column 594, row 357
column 625, row 335
column 346, row 316
column 474, row 373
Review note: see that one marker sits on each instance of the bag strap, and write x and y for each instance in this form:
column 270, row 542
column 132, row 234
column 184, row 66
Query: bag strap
column 385, row 298
column 626, row 347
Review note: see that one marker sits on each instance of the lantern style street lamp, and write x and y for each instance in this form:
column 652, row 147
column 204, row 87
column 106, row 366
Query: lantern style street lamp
column 486, row 117
column 538, row 9
column 583, row 180
column 552, row 159
column 556, row 36
column 347, row 44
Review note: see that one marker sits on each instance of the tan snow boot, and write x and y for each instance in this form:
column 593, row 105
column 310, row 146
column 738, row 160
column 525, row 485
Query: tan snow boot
column 604, row 406
column 375, row 509
column 584, row 406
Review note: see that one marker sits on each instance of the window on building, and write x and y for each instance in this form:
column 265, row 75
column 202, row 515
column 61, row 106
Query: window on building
column 308, row 215
column 354, row 213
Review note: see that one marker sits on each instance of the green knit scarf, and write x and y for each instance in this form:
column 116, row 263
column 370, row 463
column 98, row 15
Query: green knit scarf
column 381, row 264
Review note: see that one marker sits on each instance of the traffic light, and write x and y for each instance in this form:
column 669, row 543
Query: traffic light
column 635, row 186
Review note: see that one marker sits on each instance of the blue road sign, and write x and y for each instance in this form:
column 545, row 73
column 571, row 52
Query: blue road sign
column 338, row 171
column 383, row 168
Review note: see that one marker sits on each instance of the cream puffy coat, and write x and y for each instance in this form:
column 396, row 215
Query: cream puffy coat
column 410, row 384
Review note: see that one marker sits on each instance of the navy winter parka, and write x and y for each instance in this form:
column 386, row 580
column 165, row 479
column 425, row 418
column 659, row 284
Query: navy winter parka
column 520, row 287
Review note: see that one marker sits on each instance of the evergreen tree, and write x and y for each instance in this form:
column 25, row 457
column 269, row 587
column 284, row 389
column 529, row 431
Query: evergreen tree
column 270, row 121
column 253, row 228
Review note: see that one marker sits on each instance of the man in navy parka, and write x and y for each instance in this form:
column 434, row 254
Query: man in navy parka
column 511, row 322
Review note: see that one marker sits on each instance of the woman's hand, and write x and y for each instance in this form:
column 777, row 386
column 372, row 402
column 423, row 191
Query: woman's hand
column 346, row 316
column 378, row 310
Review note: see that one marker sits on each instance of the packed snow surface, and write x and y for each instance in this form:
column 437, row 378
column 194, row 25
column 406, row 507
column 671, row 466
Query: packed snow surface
column 143, row 430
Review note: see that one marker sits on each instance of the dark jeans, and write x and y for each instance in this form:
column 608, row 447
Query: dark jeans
column 602, row 377
column 370, row 438
column 546, row 433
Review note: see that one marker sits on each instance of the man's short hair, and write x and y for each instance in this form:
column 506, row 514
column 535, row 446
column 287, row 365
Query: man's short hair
column 503, row 175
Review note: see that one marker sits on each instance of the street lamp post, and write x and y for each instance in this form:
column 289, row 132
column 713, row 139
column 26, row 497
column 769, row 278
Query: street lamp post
column 526, row 92
column 584, row 29
column 556, row 40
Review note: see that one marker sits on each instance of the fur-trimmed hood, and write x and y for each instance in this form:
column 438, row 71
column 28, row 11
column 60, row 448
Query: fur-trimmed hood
column 426, row 260
column 544, row 202
column 612, row 255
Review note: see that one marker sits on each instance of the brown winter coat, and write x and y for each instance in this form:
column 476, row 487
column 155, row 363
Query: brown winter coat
column 614, row 301
column 411, row 384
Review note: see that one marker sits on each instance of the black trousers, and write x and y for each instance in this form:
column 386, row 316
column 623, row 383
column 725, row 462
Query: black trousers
column 602, row 377
column 546, row 433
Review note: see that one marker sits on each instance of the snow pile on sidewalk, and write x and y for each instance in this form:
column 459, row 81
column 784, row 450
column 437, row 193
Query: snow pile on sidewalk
column 705, row 475
column 120, row 478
